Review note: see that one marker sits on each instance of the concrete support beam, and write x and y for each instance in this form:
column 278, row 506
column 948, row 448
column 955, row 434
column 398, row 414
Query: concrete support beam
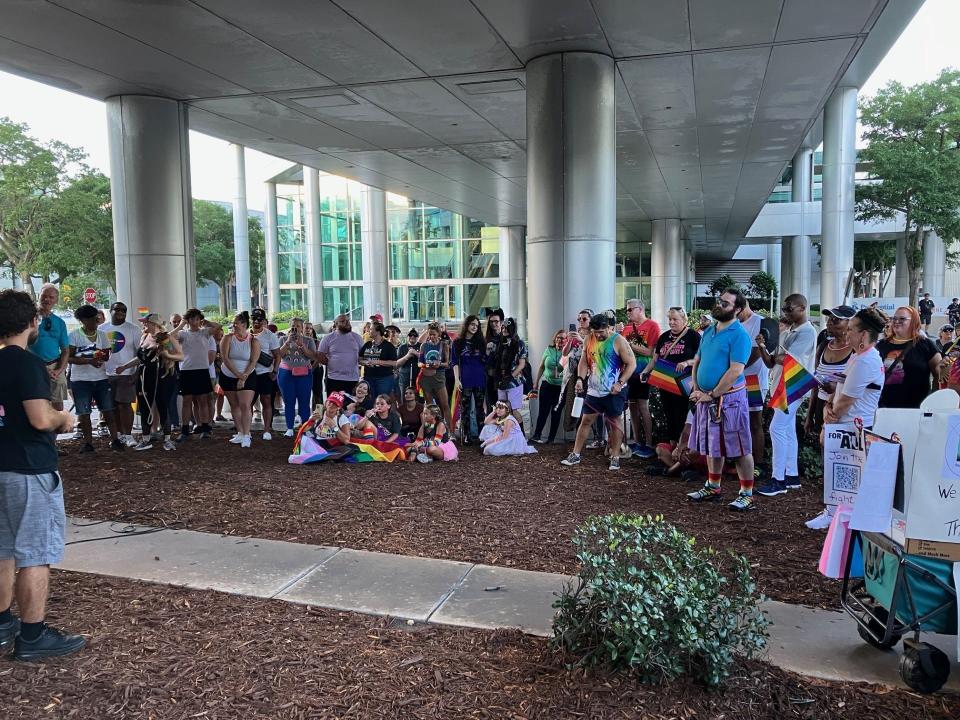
column 513, row 275
column 373, row 251
column 934, row 263
column 311, row 205
column 801, row 247
column 241, row 235
column 271, row 249
column 666, row 266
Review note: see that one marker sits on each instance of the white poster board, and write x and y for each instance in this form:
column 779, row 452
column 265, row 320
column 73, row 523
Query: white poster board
column 843, row 461
column 933, row 505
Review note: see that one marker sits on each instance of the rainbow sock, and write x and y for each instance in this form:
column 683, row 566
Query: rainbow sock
column 746, row 486
column 713, row 481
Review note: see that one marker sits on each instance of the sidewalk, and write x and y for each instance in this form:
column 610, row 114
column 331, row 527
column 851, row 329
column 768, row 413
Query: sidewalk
column 818, row 643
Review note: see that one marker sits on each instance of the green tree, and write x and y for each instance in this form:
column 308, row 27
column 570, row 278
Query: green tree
column 872, row 257
column 214, row 251
column 914, row 157
column 722, row 283
column 762, row 285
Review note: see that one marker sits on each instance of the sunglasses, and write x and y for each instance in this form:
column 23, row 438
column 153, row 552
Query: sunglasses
column 787, row 308
column 724, row 303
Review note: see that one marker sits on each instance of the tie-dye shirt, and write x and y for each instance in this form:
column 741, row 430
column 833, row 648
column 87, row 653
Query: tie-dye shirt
column 605, row 365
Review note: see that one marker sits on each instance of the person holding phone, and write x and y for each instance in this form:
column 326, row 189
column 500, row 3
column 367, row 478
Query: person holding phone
column 295, row 375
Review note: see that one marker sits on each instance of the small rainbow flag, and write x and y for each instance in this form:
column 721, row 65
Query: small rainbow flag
column 666, row 378
column 754, row 395
column 454, row 407
column 794, row 383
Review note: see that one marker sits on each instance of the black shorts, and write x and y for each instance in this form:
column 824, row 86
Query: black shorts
column 266, row 385
column 926, row 319
column 195, row 382
column 610, row 406
column 229, row 384
column 637, row 390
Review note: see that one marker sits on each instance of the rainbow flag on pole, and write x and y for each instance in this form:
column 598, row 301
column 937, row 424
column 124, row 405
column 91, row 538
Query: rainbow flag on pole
column 666, row 378
column 754, row 394
column 794, row 383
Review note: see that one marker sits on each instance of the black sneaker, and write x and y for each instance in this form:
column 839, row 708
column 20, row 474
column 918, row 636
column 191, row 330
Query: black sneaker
column 792, row 482
column 51, row 643
column 8, row 633
column 88, row 448
column 117, row 445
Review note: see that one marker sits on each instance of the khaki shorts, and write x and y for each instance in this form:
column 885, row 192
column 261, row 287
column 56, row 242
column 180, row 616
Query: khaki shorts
column 58, row 387
column 124, row 388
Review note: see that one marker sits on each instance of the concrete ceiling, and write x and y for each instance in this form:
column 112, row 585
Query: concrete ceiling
column 426, row 98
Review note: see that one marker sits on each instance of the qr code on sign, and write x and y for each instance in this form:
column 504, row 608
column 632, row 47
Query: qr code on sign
column 846, row 478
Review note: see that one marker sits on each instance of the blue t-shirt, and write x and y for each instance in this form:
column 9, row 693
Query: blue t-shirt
column 52, row 338
column 473, row 365
column 718, row 351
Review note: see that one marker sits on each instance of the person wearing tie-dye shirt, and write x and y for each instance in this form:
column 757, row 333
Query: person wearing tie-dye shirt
column 605, row 366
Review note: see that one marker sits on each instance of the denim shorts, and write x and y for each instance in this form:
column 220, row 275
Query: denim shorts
column 85, row 391
column 32, row 521
column 382, row 385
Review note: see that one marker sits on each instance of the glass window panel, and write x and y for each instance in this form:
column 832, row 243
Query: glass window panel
column 471, row 227
column 406, row 261
column 289, row 239
column 403, row 224
column 454, row 306
column 481, row 299
column 293, row 298
column 439, row 224
column 336, row 262
column 357, row 256
column 481, row 258
column 443, row 260
column 336, row 301
column 356, row 299
column 355, row 229
column 291, row 267
column 396, row 303
column 628, row 259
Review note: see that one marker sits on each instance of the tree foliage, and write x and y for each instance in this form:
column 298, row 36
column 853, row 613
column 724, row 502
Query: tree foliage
column 722, row 283
column 214, row 249
column 762, row 285
column 872, row 257
column 914, row 156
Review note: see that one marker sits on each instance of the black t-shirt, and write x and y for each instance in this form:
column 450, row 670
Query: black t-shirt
column 907, row 372
column 391, row 424
column 684, row 349
column 23, row 448
column 926, row 307
column 384, row 351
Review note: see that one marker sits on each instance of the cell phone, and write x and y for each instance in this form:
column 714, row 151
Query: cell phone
column 572, row 327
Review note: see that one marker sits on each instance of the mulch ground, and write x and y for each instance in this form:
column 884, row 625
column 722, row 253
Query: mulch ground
column 518, row 511
column 169, row 654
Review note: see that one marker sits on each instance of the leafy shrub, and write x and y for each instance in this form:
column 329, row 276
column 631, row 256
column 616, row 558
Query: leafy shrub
column 693, row 318
column 285, row 316
column 210, row 310
column 649, row 602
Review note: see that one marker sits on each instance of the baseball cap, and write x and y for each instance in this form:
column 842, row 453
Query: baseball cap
column 336, row 398
column 258, row 314
column 378, row 317
column 841, row 312
column 152, row 318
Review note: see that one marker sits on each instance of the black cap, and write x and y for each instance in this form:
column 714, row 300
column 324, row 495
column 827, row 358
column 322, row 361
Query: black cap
column 413, row 333
column 841, row 312
column 258, row 314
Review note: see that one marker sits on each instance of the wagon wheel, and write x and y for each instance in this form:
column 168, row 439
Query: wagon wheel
column 924, row 667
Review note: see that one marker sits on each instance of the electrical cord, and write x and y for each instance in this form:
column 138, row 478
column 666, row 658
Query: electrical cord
column 129, row 529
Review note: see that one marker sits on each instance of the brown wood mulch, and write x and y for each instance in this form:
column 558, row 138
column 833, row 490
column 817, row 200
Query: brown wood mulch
column 518, row 511
column 170, row 654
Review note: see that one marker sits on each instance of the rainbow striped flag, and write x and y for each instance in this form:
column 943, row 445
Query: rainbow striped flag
column 754, row 395
column 455, row 408
column 794, row 383
column 666, row 378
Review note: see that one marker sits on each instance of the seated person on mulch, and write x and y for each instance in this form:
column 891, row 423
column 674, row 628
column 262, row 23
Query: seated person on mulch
column 360, row 402
column 501, row 434
column 410, row 411
column 331, row 423
column 433, row 440
column 384, row 421
column 678, row 459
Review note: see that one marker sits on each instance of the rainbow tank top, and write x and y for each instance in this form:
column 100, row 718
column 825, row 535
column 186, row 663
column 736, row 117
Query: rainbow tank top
column 605, row 365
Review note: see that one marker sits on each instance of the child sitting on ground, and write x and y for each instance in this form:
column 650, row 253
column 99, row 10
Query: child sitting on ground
column 383, row 421
column 433, row 440
column 329, row 423
column 501, row 434
column 678, row 459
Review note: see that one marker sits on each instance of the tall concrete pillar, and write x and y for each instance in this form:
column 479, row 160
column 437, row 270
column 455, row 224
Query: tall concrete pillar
column 311, row 205
column 271, row 250
column 801, row 248
column 571, row 189
column 241, row 238
column 901, row 277
column 666, row 266
column 152, row 211
column 934, row 263
column 839, row 168
column 513, row 276
column 373, row 251
column 774, row 267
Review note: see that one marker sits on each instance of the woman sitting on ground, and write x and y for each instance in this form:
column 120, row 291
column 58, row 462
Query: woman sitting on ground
column 361, row 402
column 384, row 419
column 501, row 434
column 331, row 423
column 433, row 440
column 410, row 411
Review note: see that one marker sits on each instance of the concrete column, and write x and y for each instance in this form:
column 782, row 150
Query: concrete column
column 774, row 267
column 901, row 277
column 666, row 266
column 241, row 239
column 571, row 189
column 786, row 265
column 152, row 207
column 373, row 250
column 801, row 248
column 839, row 167
column 513, row 276
column 934, row 263
column 311, row 205
column 272, row 260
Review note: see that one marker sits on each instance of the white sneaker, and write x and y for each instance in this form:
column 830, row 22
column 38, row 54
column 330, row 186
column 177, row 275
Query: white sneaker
column 236, row 439
column 169, row 445
column 289, row 433
column 297, row 420
column 129, row 441
column 424, row 458
column 821, row 521
column 245, row 442
column 267, row 436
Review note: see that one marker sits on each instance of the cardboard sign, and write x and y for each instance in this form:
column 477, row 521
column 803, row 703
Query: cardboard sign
column 843, row 459
column 933, row 506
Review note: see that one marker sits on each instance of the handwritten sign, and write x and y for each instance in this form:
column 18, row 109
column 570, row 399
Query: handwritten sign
column 933, row 509
column 843, row 459
column 874, row 509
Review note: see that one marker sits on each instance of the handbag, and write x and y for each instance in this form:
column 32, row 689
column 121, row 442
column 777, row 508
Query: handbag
column 265, row 359
column 299, row 370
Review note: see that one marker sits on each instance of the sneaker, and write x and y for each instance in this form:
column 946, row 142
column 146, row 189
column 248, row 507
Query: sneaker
column 289, row 433
column 424, row 458
column 8, row 633
column 88, row 448
column 182, row 437
column 267, row 436
column 51, row 643
column 237, row 439
column 537, row 440
column 634, row 447
column 205, row 434
column 245, row 442
column 743, row 503
column 644, row 452
column 792, row 482
column 117, row 445
column 78, row 435
column 820, row 522
column 220, row 418
column 571, row 460
column 595, row 444
column 143, row 445
column 774, row 487
column 103, row 431
column 169, row 445
column 129, row 441
column 614, row 464
column 705, row 493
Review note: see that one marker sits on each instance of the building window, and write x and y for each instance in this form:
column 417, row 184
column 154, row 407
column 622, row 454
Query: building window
column 293, row 298
column 343, row 301
column 481, row 299
column 426, row 304
column 481, row 256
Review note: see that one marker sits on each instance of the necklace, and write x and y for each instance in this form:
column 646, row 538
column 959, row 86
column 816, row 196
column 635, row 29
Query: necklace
column 831, row 346
column 90, row 336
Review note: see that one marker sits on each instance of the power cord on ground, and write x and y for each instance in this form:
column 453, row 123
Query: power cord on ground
column 129, row 522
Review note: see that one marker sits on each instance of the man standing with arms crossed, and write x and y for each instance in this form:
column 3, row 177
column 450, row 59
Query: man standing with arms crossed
column 52, row 345
column 32, row 520
column 642, row 334
column 721, row 424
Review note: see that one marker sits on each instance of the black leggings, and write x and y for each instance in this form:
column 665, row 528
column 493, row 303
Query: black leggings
column 547, row 399
column 471, row 402
column 675, row 409
column 491, row 393
column 155, row 390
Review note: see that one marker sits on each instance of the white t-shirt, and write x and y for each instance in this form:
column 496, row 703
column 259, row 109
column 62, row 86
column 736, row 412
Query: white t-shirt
column 752, row 325
column 85, row 348
column 195, row 348
column 862, row 369
column 325, row 432
column 268, row 343
column 124, row 340
column 212, row 348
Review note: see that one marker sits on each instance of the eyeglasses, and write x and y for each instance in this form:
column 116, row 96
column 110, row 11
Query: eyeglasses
column 787, row 308
column 633, row 307
column 898, row 319
column 725, row 303
column 583, row 318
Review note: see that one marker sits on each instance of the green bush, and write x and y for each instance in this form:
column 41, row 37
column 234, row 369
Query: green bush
column 285, row 316
column 649, row 602
column 210, row 310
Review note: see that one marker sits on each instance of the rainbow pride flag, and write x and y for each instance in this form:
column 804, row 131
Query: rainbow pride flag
column 666, row 378
column 754, row 394
column 794, row 383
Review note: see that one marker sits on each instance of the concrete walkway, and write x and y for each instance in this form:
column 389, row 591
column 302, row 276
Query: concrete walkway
column 818, row 643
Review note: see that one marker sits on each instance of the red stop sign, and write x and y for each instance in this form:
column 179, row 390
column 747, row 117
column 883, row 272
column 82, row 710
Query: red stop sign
column 90, row 296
